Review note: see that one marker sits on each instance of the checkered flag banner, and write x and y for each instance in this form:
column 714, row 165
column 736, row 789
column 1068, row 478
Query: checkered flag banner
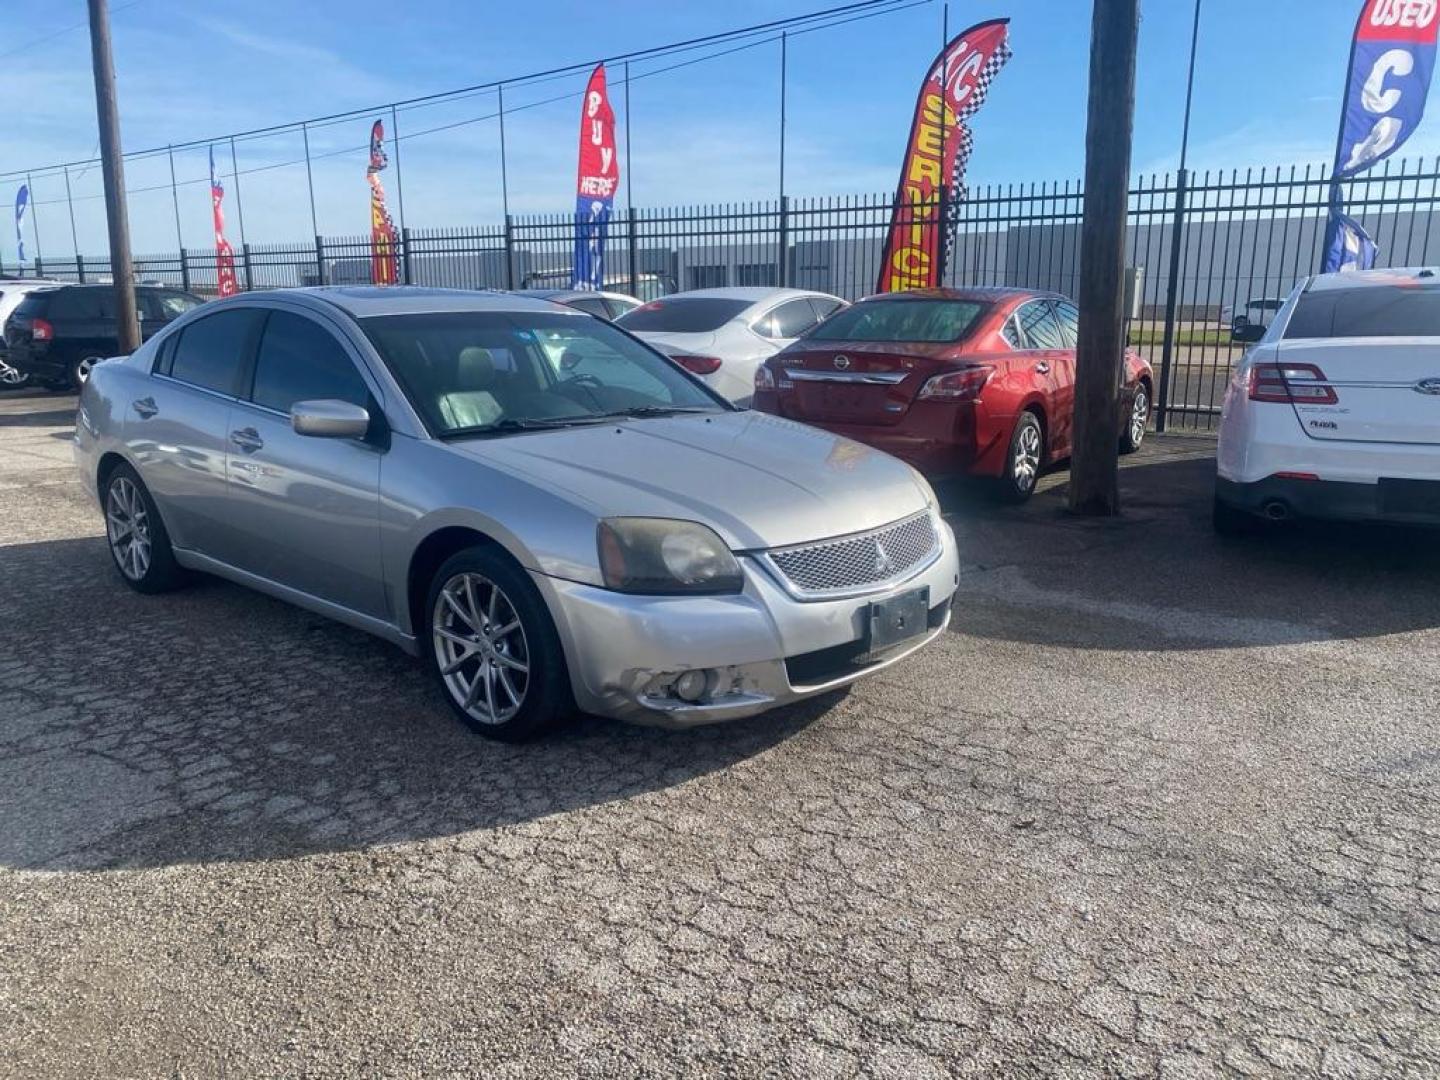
column 932, row 179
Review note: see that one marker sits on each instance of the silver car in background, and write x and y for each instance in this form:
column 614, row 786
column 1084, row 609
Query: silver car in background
column 723, row 335
column 548, row 512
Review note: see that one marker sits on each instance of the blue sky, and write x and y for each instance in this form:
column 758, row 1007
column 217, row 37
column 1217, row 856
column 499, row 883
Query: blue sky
column 1267, row 92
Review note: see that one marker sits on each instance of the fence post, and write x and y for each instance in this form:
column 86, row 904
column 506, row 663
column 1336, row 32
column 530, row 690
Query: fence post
column 320, row 274
column 80, row 267
column 942, row 245
column 633, row 251
column 245, row 258
column 405, row 272
column 783, row 277
column 39, row 266
column 1172, row 296
column 185, row 271
column 509, row 252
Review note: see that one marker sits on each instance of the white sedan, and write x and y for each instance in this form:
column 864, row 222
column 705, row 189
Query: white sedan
column 1336, row 411
column 723, row 335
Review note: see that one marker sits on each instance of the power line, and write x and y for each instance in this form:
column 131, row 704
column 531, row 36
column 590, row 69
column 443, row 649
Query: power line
column 869, row 7
column 571, row 95
column 62, row 32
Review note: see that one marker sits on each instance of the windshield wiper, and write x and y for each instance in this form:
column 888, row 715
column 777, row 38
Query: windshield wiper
column 643, row 411
column 513, row 424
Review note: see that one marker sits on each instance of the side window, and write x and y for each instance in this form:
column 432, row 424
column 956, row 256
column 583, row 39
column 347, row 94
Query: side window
column 620, row 307
column 300, row 360
column 211, row 351
column 824, row 308
column 82, row 304
column 171, row 305
column 789, row 320
column 166, row 356
column 1069, row 318
column 1011, row 333
column 1042, row 330
column 591, row 305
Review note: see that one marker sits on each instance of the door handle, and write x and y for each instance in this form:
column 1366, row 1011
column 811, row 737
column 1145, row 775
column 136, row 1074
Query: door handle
column 247, row 439
column 146, row 407
column 1043, row 368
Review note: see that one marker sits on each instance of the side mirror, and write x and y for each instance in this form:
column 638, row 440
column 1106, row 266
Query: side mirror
column 1247, row 334
column 329, row 419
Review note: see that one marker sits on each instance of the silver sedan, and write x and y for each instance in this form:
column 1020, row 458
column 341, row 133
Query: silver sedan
column 548, row 512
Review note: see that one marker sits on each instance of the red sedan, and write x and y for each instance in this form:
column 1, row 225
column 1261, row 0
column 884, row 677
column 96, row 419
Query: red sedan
column 977, row 382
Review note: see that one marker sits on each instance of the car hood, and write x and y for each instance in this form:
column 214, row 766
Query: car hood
column 758, row 480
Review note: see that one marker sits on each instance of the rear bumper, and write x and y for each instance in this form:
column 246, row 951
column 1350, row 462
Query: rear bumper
column 1280, row 498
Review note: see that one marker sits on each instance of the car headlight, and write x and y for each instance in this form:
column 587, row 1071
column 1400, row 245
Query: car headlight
column 661, row 556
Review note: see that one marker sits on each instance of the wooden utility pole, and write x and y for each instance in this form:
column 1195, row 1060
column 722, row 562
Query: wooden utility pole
column 112, row 167
column 1094, row 481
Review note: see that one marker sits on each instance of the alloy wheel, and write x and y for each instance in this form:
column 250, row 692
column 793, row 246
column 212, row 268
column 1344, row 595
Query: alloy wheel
column 1139, row 417
column 9, row 376
column 480, row 647
column 128, row 527
column 1027, row 458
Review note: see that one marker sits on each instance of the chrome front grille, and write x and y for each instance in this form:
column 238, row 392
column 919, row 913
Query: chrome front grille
column 854, row 563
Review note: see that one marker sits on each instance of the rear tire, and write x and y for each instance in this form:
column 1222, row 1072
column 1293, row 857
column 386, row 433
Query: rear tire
column 1023, row 461
column 80, row 370
column 1133, row 436
column 490, row 642
column 139, row 544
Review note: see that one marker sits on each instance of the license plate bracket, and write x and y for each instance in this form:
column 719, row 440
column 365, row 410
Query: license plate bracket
column 896, row 619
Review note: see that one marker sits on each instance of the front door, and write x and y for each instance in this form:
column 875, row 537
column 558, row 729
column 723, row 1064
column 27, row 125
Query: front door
column 305, row 510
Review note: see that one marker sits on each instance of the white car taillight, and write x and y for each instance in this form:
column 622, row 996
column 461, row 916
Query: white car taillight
column 1286, row 384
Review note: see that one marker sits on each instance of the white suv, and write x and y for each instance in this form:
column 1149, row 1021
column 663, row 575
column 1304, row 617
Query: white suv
column 1335, row 413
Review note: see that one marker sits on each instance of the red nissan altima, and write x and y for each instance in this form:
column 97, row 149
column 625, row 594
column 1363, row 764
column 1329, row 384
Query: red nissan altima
column 976, row 382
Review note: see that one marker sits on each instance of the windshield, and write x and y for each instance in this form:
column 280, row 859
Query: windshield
column 474, row 372
column 901, row 320
column 682, row 315
column 1373, row 311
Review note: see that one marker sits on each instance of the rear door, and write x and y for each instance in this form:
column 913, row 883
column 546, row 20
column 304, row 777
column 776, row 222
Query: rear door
column 177, row 431
column 1363, row 363
column 1051, row 369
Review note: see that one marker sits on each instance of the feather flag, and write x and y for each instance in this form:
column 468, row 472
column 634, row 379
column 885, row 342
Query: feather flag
column 225, row 282
column 598, row 177
column 384, row 263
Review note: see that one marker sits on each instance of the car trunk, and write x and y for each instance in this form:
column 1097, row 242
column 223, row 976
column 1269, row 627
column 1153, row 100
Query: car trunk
column 1385, row 389
column 857, row 382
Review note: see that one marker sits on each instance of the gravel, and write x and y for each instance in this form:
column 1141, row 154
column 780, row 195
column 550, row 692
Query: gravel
column 1160, row 805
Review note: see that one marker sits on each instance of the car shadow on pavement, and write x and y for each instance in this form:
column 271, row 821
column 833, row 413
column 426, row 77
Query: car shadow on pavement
column 48, row 419
column 216, row 724
column 1159, row 578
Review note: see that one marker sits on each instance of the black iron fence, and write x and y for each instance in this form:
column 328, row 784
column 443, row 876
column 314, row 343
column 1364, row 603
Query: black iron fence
column 1203, row 248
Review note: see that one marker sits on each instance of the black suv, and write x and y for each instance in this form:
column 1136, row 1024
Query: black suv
column 56, row 335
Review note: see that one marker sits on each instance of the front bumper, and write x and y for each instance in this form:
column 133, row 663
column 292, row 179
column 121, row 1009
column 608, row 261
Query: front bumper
column 763, row 647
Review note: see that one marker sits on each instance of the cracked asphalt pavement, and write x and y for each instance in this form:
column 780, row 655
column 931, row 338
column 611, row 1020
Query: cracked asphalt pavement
column 1159, row 805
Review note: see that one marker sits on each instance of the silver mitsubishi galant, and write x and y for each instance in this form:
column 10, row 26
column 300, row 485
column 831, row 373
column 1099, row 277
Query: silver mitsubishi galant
column 550, row 513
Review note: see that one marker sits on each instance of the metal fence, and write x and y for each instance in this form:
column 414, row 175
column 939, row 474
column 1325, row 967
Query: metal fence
column 1202, row 246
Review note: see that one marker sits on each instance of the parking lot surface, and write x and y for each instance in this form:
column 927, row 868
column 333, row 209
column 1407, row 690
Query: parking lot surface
column 1159, row 805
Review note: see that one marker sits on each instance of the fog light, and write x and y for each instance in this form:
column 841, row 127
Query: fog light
column 691, row 686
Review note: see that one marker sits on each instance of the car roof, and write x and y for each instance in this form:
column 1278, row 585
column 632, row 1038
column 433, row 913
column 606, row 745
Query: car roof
column 361, row 301
column 983, row 294
column 1412, row 276
column 754, row 295
column 561, row 295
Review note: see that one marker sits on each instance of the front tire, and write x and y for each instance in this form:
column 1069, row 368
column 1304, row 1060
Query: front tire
column 494, row 649
column 1133, row 436
column 139, row 544
column 1022, row 463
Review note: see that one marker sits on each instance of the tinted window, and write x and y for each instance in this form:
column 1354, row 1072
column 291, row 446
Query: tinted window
column 1376, row 311
column 211, row 350
column 1069, row 323
column 166, row 356
column 825, row 308
column 474, row 371
column 591, row 305
column 83, row 304
column 901, row 320
column 620, row 307
column 299, row 360
column 1040, row 327
column 35, row 304
column 681, row 315
column 789, row 320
